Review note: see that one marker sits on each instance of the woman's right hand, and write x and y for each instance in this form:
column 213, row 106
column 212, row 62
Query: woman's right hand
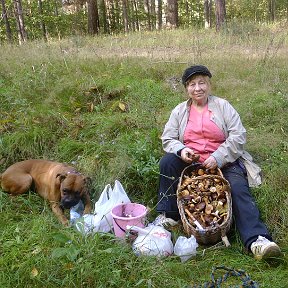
column 188, row 155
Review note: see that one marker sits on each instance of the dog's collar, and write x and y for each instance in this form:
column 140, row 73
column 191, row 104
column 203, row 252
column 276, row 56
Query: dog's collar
column 73, row 172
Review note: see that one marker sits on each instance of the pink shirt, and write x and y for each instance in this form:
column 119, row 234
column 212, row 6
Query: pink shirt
column 201, row 134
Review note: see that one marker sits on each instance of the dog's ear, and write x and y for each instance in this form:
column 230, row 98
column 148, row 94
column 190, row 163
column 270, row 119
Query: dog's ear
column 88, row 181
column 61, row 177
column 87, row 185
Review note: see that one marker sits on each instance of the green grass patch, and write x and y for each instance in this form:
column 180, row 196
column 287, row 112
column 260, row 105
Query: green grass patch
column 102, row 103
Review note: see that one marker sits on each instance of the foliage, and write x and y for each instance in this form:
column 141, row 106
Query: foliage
column 101, row 104
column 57, row 22
column 191, row 13
column 68, row 18
column 256, row 10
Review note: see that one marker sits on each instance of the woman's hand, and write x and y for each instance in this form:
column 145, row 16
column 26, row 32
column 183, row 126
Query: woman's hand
column 210, row 163
column 187, row 155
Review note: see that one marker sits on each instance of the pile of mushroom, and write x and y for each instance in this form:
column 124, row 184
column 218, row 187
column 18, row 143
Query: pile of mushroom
column 204, row 199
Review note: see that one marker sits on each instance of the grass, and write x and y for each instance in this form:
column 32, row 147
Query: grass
column 62, row 100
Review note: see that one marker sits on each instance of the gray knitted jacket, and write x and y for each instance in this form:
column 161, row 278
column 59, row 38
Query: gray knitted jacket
column 228, row 120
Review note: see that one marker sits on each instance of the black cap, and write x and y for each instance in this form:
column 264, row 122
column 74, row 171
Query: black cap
column 196, row 69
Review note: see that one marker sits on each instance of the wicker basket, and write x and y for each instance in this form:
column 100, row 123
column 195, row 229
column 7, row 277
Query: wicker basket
column 214, row 231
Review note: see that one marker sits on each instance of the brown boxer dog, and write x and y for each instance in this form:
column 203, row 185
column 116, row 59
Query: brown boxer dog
column 58, row 183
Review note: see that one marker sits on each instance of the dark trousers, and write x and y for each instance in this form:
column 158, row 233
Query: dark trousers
column 245, row 212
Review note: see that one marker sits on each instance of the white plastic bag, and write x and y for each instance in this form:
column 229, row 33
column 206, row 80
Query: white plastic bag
column 85, row 224
column 185, row 248
column 101, row 220
column 152, row 241
column 76, row 212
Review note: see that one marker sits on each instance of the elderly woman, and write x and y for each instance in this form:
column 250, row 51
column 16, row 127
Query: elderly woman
column 210, row 127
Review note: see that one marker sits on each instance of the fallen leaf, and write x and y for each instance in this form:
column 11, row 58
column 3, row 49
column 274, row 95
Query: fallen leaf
column 34, row 272
column 122, row 106
column 91, row 107
column 36, row 251
column 69, row 266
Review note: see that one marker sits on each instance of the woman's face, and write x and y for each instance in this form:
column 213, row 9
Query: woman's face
column 198, row 88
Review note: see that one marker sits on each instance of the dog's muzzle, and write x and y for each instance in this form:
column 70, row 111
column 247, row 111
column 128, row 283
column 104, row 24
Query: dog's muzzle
column 68, row 203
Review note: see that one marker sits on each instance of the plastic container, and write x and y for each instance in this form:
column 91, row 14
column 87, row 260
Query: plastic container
column 132, row 214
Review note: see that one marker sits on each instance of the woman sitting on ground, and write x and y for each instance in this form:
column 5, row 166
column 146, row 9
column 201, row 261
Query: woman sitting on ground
column 209, row 126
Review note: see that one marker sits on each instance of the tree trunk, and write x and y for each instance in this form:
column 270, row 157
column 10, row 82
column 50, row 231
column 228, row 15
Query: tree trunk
column 117, row 15
column 125, row 16
column 187, row 10
column 56, row 12
column 153, row 13
column 42, row 24
column 210, row 9
column 135, row 15
column 22, row 35
column 159, row 15
column 113, row 17
column 286, row 12
column 148, row 14
column 271, row 9
column 220, row 13
column 172, row 14
column 208, row 13
column 103, row 10
column 6, row 20
column 93, row 17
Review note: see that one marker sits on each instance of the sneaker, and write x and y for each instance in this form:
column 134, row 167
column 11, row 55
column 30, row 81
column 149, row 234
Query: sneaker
column 262, row 248
column 162, row 220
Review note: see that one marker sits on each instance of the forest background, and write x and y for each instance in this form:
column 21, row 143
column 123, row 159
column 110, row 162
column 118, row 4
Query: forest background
column 24, row 19
column 99, row 99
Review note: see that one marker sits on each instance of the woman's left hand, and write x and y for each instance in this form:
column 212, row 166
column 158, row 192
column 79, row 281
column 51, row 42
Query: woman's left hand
column 210, row 163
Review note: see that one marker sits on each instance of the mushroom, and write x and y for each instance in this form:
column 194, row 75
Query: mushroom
column 219, row 188
column 208, row 207
column 194, row 195
column 201, row 172
column 184, row 193
column 214, row 196
column 214, row 203
column 203, row 220
column 225, row 187
column 209, row 219
column 219, row 205
column 193, row 185
column 189, row 188
column 193, row 174
column 191, row 207
column 213, row 189
column 194, row 219
column 196, row 199
column 207, row 183
column 200, row 206
column 221, row 194
column 222, row 200
column 201, row 186
column 216, row 213
column 186, row 182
